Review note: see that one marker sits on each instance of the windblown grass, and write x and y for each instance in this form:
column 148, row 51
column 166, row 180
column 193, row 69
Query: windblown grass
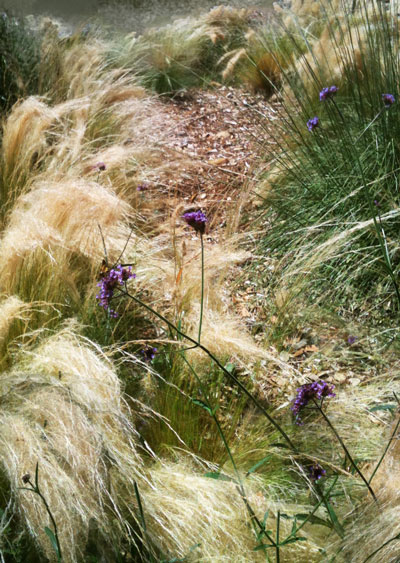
column 324, row 184
column 160, row 474
column 186, row 53
column 63, row 403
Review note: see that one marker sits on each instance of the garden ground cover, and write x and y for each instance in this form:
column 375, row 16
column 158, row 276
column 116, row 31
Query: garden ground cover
column 147, row 448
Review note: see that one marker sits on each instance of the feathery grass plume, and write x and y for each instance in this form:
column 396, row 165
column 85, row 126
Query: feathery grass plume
column 80, row 65
column 185, row 53
column 370, row 525
column 186, row 509
column 14, row 318
column 24, row 144
column 52, row 237
column 259, row 62
column 223, row 332
column 65, row 409
column 166, row 60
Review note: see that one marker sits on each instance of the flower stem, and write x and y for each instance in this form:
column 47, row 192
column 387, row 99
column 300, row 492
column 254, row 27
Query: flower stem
column 346, row 451
column 253, row 517
column 202, row 287
column 218, row 363
column 36, row 489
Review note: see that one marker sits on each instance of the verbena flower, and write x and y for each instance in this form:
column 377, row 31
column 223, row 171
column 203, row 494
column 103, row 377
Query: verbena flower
column 142, row 187
column 197, row 220
column 113, row 279
column 327, row 93
column 388, row 100
column 148, row 353
column 351, row 339
column 316, row 472
column 315, row 390
column 312, row 123
column 100, row 166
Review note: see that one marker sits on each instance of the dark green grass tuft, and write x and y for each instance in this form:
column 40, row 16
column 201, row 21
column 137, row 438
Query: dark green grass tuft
column 329, row 184
column 19, row 60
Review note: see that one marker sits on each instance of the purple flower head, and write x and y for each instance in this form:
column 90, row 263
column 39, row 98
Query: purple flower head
column 315, row 390
column 148, row 353
column 351, row 339
column 197, row 220
column 327, row 93
column 316, row 472
column 113, row 279
column 312, row 123
column 376, row 203
column 388, row 100
column 100, row 166
column 142, row 187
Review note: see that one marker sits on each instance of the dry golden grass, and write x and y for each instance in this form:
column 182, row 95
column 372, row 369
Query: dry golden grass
column 64, row 410
column 186, row 509
column 373, row 524
column 63, row 402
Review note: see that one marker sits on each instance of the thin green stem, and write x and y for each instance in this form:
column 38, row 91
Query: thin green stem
column 202, row 287
column 36, row 489
column 218, row 363
column 394, row 538
column 253, row 517
column 384, row 453
column 370, row 124
column 320, row 501
column 346, row 451
column 277, row 537
column 201, row 297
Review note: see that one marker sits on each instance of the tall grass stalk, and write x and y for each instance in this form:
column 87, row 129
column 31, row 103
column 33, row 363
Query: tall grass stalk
column 323, row 182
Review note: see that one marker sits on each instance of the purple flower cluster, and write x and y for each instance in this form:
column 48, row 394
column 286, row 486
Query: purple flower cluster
column 316, row 472
column 149, row 353
column 351, row 339
column 388, row 100
column 312, row 123
column 99, row 166
column 197, row 220
column 327, row 93
column 112, row 280
column 315, row 390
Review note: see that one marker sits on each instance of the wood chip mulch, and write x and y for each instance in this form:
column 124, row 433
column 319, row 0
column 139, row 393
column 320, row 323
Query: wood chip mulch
column 218, row 134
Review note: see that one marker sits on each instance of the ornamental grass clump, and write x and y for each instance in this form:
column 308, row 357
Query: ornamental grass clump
column 325, row 229
column 20, row 57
